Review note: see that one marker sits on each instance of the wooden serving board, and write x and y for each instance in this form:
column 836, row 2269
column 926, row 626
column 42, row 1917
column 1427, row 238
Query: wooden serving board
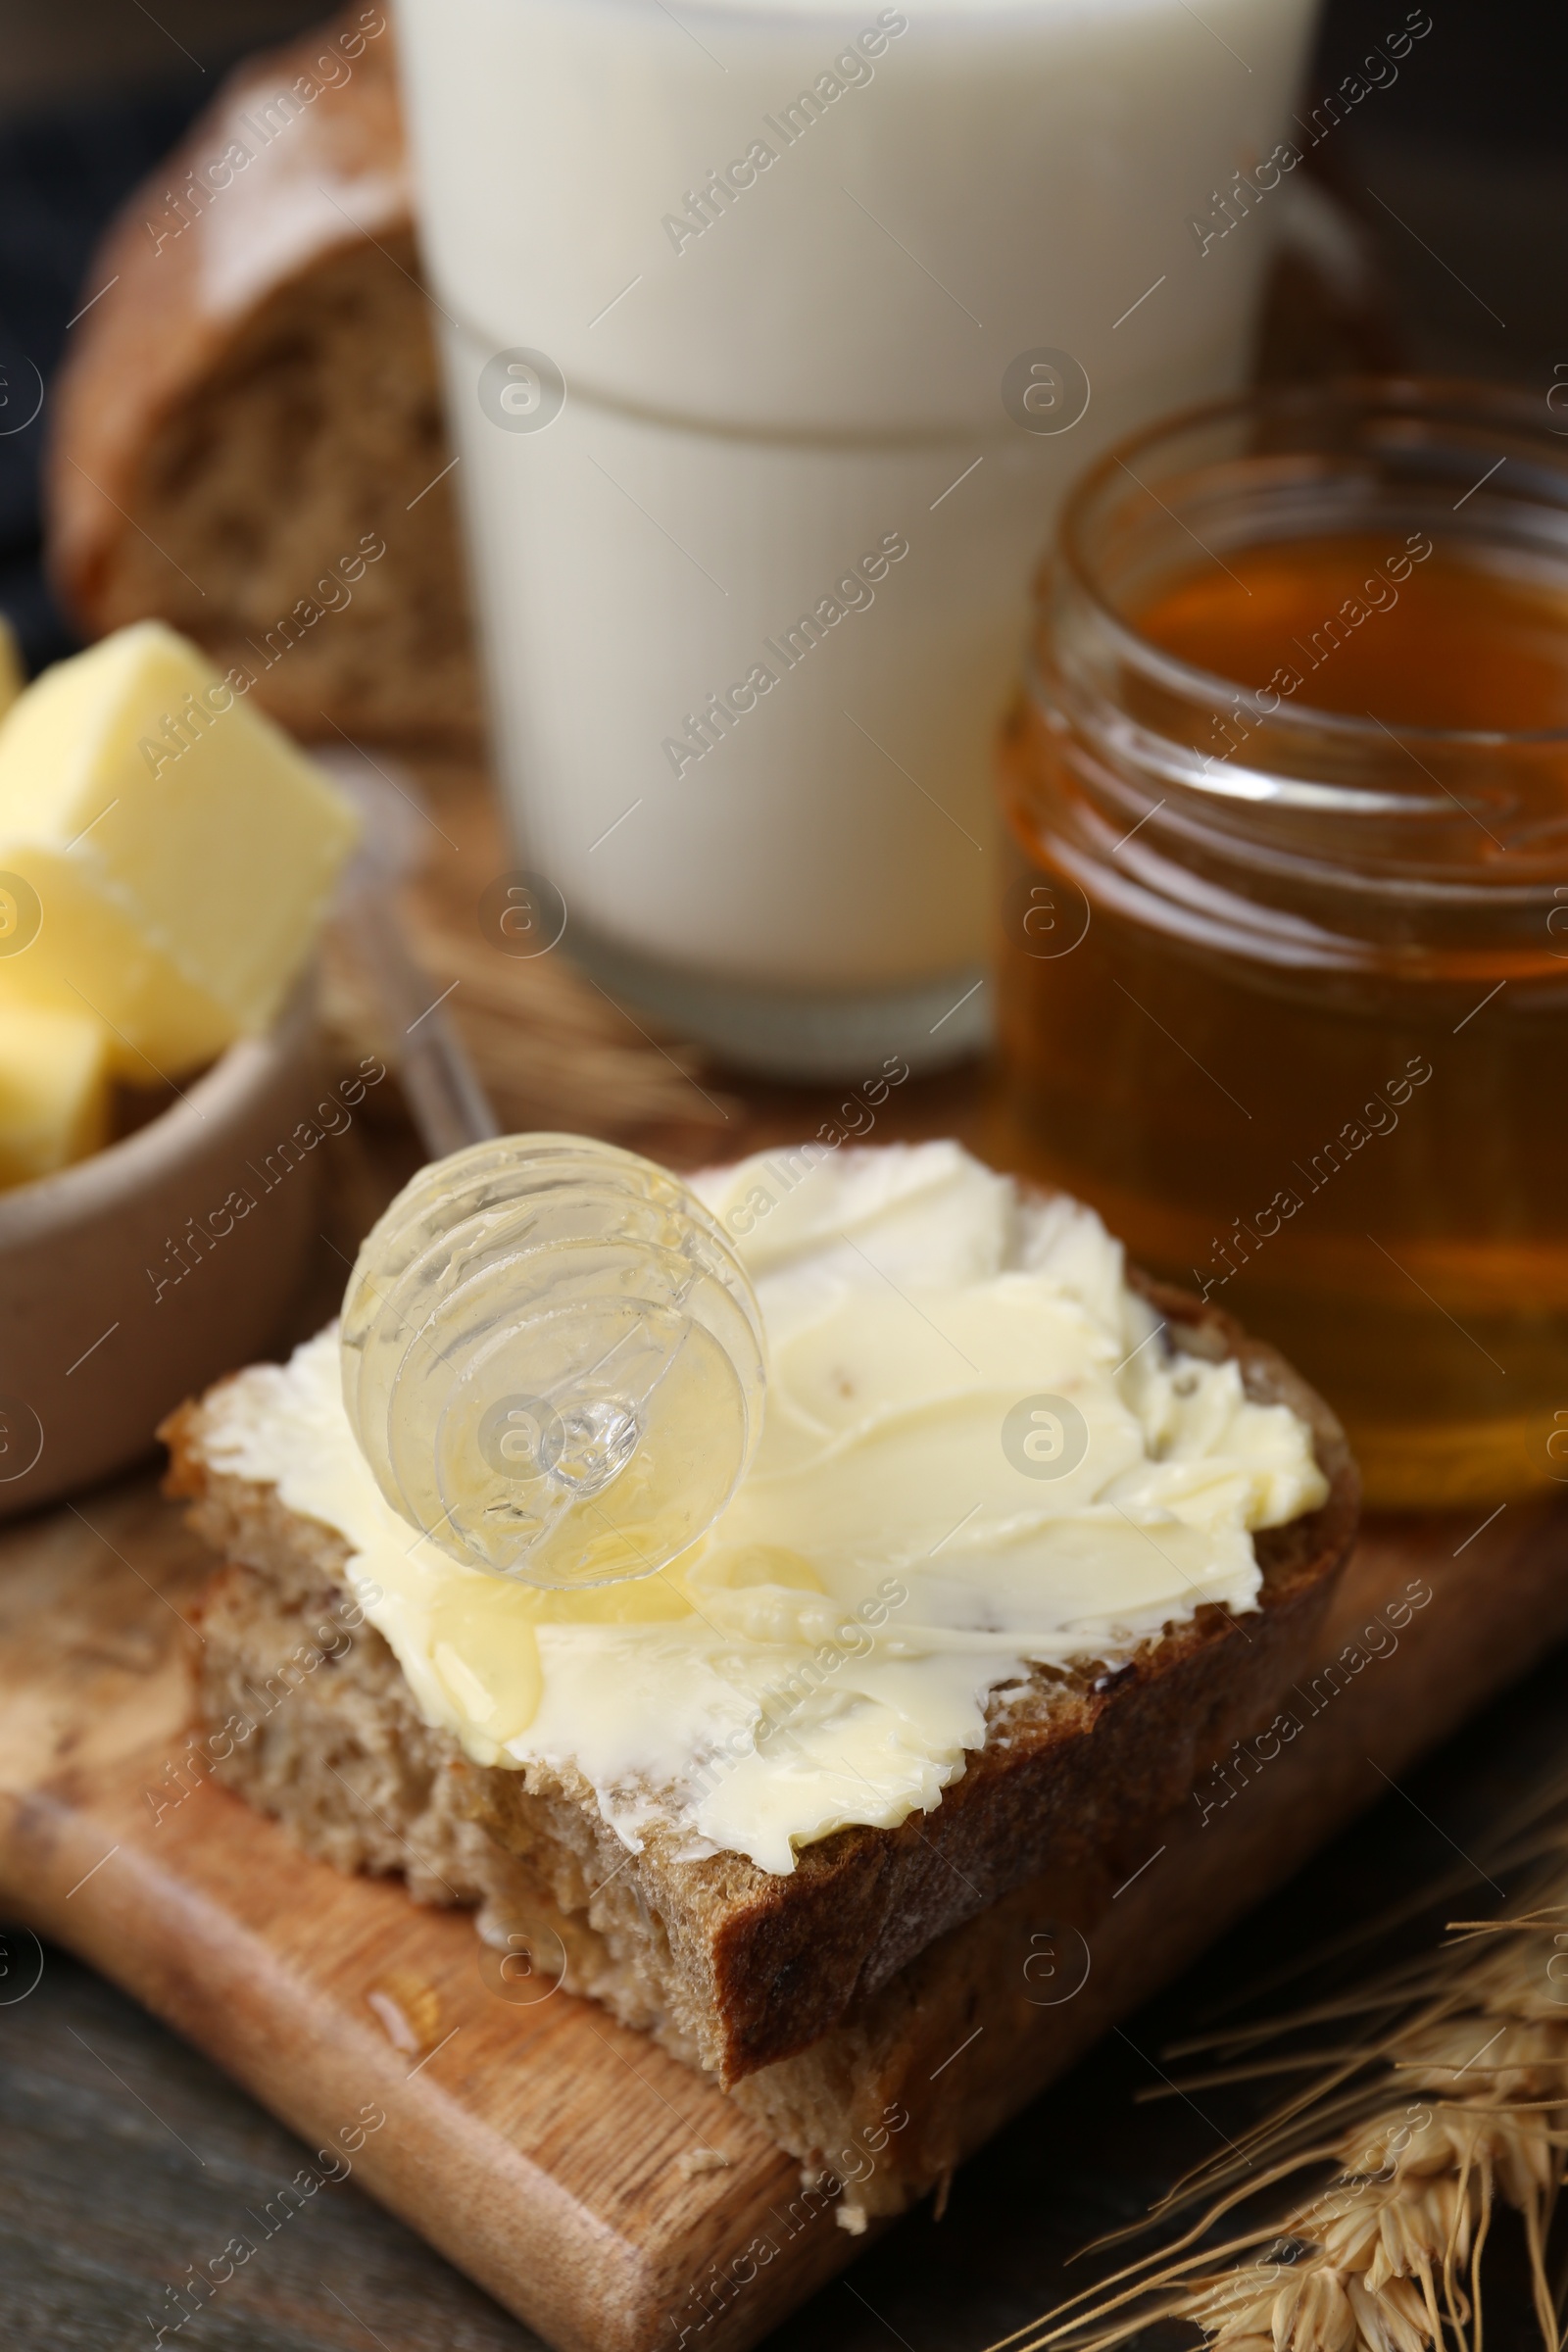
column 596, row 2188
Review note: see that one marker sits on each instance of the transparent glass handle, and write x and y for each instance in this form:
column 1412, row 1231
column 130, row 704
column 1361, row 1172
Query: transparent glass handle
column 553, row 1361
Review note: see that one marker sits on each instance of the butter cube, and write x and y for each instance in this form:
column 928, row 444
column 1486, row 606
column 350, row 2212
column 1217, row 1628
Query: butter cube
column 165, row 852
column 54, row 1091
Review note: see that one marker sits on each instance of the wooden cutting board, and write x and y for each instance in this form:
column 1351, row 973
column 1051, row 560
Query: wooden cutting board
column 595, row 2187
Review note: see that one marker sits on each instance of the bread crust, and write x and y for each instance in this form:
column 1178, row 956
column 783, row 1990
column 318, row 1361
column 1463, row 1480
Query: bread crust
column 743, row 1968
column 255, row 390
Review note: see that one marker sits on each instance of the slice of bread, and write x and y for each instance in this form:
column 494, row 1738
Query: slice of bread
column 337, row 1752
column 251, row 407
column 766, row 1982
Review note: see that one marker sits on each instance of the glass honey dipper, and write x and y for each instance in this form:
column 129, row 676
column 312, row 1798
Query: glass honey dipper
column 554, row 1360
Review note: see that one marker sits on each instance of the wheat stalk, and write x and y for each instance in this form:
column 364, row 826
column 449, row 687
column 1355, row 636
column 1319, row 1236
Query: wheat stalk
column 1455, row 2099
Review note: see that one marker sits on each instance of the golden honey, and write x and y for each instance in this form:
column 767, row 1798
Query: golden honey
column 1284, row 979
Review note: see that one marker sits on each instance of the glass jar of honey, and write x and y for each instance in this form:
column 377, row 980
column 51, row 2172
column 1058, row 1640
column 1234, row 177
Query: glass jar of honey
column 1283, row 968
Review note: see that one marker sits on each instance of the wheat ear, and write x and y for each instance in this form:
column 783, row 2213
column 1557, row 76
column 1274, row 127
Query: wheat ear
column 1456, row 2098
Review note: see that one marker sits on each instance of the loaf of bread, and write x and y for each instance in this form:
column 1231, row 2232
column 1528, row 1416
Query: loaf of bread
column 247, row 435
column 813, row 1997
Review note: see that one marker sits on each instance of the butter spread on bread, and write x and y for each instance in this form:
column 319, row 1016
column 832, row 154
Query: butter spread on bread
column 904, row 1546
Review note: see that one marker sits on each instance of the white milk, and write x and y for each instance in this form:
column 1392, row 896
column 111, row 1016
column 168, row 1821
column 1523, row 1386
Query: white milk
column 782, row 259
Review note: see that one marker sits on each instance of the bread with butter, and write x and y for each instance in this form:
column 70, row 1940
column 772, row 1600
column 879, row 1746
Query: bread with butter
column 798, row 1991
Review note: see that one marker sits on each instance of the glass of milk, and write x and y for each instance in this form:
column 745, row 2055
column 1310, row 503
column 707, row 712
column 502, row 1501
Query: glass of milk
column 772, row 334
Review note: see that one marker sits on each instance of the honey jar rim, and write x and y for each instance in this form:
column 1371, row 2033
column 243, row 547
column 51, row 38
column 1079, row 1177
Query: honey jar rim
column 1430, row 398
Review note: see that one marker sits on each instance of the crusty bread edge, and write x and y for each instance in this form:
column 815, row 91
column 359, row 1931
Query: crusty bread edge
column 156, row 329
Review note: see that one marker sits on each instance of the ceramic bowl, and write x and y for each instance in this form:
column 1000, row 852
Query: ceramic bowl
column 130, row 1280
